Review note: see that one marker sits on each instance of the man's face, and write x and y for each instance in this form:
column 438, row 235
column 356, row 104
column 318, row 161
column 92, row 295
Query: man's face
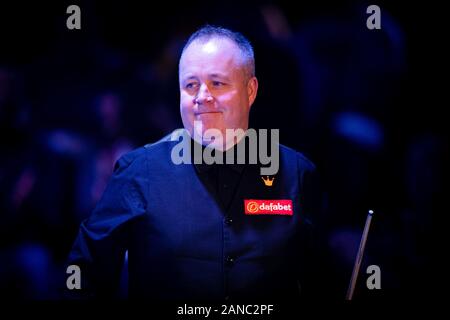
column 214, row 87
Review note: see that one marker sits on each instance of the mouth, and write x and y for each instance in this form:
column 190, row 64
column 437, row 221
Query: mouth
column 206, row 112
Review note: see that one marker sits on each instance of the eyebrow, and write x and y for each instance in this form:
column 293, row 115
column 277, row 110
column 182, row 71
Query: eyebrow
column 218, row 75
column 212, row 75
column 190, row 78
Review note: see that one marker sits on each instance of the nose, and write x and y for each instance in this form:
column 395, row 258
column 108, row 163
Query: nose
column 203, row 95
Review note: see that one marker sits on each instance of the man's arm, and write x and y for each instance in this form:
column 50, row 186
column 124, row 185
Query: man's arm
column 312, row 239
column 101, row 243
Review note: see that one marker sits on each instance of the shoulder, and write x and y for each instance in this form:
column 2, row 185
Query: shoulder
column 297, row 158
column 139, row 157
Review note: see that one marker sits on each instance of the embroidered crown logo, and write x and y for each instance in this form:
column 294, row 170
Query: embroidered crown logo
column 268, row 182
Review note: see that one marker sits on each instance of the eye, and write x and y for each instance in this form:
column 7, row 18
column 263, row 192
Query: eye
column 217, row 83
column 190, row 85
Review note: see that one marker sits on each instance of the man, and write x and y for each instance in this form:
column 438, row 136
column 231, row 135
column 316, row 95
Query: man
column 200, row 231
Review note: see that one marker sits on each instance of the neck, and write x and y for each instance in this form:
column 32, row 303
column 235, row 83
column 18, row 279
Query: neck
column 219, row 141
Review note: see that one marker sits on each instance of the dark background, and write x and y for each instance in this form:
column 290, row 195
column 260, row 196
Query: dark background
column 358, row 102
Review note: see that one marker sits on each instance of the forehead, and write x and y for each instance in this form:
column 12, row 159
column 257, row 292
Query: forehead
column 215, row 54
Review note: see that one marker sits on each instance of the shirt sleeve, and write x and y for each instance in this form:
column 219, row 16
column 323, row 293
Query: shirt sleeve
column 311, row 280
column 101, row 243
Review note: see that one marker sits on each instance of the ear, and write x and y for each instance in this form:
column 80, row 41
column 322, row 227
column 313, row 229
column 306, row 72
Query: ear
column 252, row 90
